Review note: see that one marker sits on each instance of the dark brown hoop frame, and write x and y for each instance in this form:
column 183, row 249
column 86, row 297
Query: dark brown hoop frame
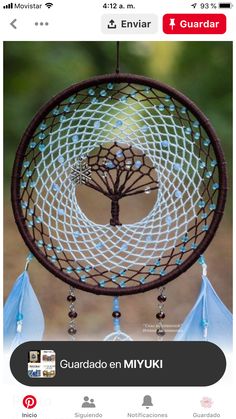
column 49, row 106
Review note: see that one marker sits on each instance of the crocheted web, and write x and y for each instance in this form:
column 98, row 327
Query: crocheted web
column 119, row 139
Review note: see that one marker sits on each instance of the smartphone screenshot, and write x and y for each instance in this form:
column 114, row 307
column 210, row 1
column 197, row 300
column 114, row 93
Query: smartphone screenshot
column 117, row 192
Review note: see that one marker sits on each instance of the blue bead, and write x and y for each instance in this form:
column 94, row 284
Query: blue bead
column 196, row 124
column 114, row 278
column 201, row 260
column 138, row 164
column 206, row 142
column 43, row 126
column 158, row 262
column 205, row 228
column 75, row 139
column 162, row 272
column 178, row 261
column 23, row 185
column 110, row 86
column 49, row 247
column 61, row 159
column 197, row 136
column 42, row 147
column 193, row 246
column 31, row 211
column 55, row 187
column 134, row 93
column 122, row 273
column 176, row 166
column 142, row 280
column 167, row 98
column 30, row 224
column 73, row 99
column 204, row 323
column 32, row 184
column 152, row 270
column 183, row 249
column 188, row 130
column 201, row 204
column 53, row 258
column 69, row 269
column 87, row 268
column 78, row 269
column 119, row 154
column 40, row 243
column 202, row 165
column 204, row 215
column 215, row 186
column 28, row 173
column 122, row 284
column 161, row 107
column 213, row 163
column 96, row 124
column 62, row 118
column 212, row 207
column 208, row 175
column 66, row 109
column 19, row 317
column 172, row 108
column 103, row 93
column 119, row 123
column 123, row 99
column 38, row 220
column 110, row 164
column 102, row 283
column 83, row 278
column 42, row 136
column 183, row 110
column 165, row 143
column 56, row 112
column 24, row 204
column 26, row 163
column 178, row 193
column 91, row 92
column 185, row 238
column 59, row 249
column 144, row 128
column 32, row 144
column 94, row 100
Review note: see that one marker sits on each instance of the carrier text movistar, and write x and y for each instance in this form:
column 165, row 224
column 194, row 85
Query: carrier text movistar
column 131, row 364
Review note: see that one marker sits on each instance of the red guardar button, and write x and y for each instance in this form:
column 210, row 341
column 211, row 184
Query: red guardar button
column 194, row 24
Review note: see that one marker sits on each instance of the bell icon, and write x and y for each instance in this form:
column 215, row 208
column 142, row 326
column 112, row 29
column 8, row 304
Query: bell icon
column 147, row 402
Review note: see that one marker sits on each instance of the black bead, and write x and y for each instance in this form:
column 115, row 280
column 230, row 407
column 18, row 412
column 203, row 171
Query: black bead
column 161, row 298
column 72, row 314
column 160, row 332
column 160, row 315
column 71, row 298
column 116, row 314
column 72, row 331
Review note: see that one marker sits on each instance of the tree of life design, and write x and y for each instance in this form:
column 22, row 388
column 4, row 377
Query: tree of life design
column 117, row 172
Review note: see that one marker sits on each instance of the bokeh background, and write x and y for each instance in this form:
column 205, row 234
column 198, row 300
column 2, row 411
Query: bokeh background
column 35, row 71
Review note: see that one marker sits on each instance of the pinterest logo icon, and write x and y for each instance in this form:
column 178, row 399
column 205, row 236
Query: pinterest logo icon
column 29, row 402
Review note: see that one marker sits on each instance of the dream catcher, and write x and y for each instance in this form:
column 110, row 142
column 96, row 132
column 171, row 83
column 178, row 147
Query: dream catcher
column 120, row 136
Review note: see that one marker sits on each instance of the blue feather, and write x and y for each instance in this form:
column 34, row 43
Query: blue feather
column 23, row 316
column 208, row 320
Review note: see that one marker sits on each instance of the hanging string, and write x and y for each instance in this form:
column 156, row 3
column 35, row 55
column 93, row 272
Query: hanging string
column 161, row 315
column 116, row 315
column 71, row 298
column 117, row 57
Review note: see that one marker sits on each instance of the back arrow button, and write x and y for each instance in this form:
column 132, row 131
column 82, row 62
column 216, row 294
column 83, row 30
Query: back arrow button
column 13, row 24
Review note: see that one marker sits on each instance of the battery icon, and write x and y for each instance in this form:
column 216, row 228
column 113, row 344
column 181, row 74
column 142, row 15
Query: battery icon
column 225, row 5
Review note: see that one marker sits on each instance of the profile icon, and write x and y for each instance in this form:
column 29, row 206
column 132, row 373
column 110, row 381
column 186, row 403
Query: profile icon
column 88, row 402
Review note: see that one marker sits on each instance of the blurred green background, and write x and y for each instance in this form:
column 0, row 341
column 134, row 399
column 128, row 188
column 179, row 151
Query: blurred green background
column 35, row 71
